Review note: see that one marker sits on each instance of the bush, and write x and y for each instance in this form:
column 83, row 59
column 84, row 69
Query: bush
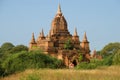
column 97, row 62
column 85, row 65
column 33, row 59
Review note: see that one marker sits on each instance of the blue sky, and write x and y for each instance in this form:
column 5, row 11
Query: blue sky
column 99, row 18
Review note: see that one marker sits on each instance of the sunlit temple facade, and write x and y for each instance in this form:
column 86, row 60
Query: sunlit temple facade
column 59, row 38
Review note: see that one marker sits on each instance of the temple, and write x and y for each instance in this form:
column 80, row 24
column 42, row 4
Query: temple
column 60, row 43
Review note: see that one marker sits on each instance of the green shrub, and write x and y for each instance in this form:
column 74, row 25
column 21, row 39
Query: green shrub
column 97, row 62
column 33, row 59
column 85, row 65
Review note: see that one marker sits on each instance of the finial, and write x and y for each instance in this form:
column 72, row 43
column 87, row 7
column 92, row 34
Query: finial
column 59, row 9
column 75, row 32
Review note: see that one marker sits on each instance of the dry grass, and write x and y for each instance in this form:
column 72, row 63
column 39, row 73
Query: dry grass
column 103, row 73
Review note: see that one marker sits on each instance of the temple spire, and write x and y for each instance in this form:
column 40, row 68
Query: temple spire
column 33, row 38
column 42, row 33
column 85, row 38
column 59, row 10
column 75, row 32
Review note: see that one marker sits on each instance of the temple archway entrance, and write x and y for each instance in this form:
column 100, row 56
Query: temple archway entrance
column 74, row 62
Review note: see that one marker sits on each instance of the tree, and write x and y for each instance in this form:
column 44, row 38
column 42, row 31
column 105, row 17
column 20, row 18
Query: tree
column 116, row 58
column 109, row 49
column 19, row 48
column 0, row 53
column 6, row 47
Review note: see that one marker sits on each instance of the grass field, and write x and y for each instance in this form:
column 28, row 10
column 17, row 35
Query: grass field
column 102, row 73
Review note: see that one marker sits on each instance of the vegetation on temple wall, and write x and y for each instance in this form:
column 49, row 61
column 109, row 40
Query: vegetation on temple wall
column 80, row 58
column 68, row 45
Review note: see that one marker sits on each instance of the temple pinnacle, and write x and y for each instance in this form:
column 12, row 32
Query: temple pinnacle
column 33, row 38
column 59, row 9
column 42, row 33
column 75, row 32
column 85, row 38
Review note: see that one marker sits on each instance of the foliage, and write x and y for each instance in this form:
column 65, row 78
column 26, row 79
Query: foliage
column 6, row 47
column 85, row 65
column 109, row 49
column 97, row 62
column 1, row 70
column 94, row 63
column 80, row 57
column 0, row 53
column 25, row 60
column 108, row 61
column 4, row 50
column 68, row 45
column 19, row 48
column 109, row 52
column 10, row 51
column 116, row 58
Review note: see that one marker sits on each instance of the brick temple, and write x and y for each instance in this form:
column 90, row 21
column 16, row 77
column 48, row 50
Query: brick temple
column 59, row 37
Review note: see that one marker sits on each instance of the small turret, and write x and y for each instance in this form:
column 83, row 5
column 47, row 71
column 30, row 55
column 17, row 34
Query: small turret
column 42, row 33
column 75, row 32
column 75, row 36
column 41, row 36
column 85, row 44
column 32, row 42
column 33, row 39
column 85, row 38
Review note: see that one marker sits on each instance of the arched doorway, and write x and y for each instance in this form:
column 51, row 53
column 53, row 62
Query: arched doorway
column 74, row 62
